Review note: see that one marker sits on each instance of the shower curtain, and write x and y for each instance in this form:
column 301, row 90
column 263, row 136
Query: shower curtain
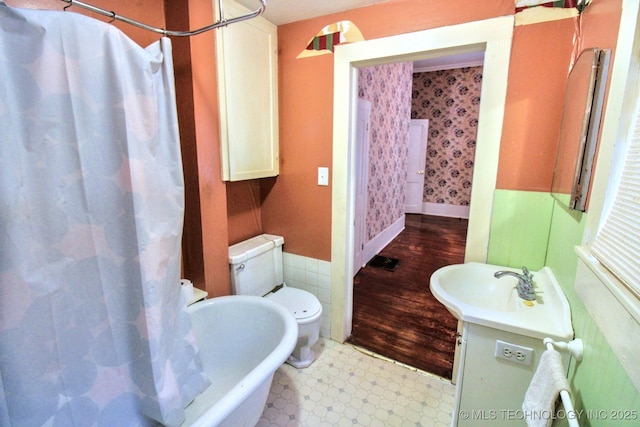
column 92, row 327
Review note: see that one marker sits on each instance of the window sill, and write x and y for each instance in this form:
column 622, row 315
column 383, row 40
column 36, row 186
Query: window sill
column 625, row 297
column 613, row 308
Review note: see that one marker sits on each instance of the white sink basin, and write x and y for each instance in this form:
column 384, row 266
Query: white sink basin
column 472, row 294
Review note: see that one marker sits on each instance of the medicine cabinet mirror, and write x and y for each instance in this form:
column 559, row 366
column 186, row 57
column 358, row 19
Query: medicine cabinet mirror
column 579, row 128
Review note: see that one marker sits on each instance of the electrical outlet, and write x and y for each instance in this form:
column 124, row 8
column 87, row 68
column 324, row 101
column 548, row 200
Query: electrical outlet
column 514, row 353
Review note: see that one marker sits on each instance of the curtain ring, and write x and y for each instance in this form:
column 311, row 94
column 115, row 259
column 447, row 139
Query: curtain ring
column 69, row 4
column 113, row 16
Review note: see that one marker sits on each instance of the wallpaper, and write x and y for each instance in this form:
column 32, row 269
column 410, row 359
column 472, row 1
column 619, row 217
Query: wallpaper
column 388, row 88
column 450, row 99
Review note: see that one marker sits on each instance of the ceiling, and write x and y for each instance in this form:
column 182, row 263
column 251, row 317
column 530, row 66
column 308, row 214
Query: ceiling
column 285, row 11
column 472, row 59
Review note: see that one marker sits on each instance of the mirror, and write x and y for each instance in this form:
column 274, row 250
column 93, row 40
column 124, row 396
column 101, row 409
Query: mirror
column 579, row 128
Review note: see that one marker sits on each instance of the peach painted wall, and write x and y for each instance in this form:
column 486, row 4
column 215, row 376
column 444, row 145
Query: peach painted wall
column 540, row 58
column 243, row 210
column 142, row 11
column 535, row 94
column 594, row 33
column 212, row 190
column 295, row 206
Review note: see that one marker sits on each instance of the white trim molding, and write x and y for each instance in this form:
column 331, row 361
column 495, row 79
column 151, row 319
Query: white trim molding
column 444, row 209
column 375, row 245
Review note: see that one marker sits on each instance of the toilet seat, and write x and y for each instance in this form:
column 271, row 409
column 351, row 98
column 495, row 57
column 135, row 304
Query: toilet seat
column 301, row 303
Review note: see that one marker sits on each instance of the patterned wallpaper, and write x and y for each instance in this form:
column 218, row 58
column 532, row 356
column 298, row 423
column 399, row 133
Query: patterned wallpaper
column 388, row 87
column 450, row 99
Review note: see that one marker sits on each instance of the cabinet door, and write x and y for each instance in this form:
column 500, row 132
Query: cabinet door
column 247, row 60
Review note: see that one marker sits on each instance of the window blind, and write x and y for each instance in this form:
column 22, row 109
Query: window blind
column 617, row 244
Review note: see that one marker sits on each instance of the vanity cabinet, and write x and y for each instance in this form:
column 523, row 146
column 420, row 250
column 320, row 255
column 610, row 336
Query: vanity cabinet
column 247, row 69
column 489, row 389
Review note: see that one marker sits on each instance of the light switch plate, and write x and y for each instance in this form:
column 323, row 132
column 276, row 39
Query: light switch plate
column 323, row 176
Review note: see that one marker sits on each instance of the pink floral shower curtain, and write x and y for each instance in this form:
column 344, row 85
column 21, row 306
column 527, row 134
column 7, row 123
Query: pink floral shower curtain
column 92, row 328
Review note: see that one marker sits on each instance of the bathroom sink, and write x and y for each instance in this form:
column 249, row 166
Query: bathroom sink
column 472, row 294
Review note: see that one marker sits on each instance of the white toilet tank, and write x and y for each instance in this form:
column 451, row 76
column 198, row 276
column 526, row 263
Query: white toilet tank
column 255, row 265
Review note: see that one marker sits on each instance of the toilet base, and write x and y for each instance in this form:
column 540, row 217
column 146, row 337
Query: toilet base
column 308, row 333
column 300, row 364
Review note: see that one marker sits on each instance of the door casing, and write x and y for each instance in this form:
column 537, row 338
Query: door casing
column 493, row 36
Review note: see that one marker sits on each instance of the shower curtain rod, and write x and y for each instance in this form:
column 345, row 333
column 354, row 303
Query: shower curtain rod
column 222, row 22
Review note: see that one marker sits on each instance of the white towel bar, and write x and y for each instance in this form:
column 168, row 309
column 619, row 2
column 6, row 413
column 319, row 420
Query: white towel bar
column 576, row 349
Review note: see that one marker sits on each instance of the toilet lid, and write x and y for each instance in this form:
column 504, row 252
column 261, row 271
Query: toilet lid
column 301, row 303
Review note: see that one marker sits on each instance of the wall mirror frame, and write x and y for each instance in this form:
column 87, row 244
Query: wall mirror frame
column 581, row 116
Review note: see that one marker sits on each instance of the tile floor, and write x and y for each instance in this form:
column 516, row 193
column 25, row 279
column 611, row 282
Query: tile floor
column 345, row 386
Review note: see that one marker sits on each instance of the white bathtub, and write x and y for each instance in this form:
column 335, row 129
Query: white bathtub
column 242, row 341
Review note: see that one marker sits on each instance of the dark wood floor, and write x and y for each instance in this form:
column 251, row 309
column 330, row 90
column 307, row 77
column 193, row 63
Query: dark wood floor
column 395, row 314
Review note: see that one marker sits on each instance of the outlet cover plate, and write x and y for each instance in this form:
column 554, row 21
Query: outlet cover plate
column 514, row 353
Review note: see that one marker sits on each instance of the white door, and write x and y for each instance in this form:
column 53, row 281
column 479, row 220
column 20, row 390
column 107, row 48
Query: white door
column 362, row 178
column 418, row 135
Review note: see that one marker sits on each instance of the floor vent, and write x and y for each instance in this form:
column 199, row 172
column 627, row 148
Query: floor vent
column 384, row 262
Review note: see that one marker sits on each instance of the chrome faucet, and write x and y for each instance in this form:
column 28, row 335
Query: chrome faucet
column 525, row 283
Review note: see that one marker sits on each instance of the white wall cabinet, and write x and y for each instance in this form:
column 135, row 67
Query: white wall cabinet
column 247, row 66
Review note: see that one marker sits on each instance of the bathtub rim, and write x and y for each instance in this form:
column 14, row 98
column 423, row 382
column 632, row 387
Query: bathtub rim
column 260, row 373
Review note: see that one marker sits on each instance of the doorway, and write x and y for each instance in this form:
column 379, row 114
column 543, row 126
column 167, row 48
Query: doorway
column 394, row 313
column 493, row 36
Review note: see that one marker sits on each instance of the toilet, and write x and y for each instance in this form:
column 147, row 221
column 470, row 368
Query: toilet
column 255, row 266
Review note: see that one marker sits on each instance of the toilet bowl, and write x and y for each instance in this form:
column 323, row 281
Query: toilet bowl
column 307, row 310
column 255, row 267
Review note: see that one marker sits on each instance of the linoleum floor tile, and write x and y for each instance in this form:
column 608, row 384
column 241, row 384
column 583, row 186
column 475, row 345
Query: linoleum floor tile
column 348, row 387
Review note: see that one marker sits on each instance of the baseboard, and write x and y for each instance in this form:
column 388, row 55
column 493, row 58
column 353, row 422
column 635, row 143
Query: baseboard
column 375, row 245
column 443, row 209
